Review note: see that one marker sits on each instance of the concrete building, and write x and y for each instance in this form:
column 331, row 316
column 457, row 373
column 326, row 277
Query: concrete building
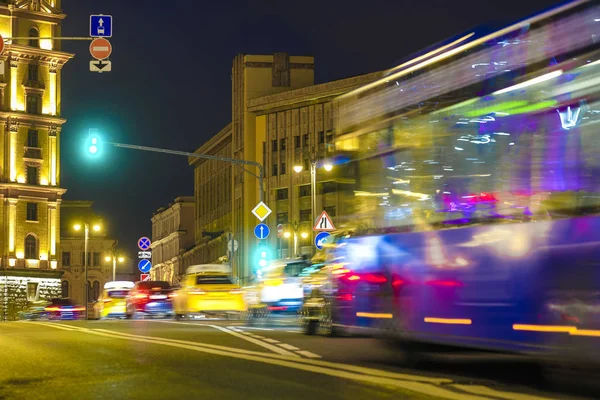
column 30, row 127
column 172, row 235
column 279, row 119
column 213, row 201
column 100, row 247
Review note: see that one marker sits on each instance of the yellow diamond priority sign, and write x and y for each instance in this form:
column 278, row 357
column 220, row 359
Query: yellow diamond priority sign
column 261, row 211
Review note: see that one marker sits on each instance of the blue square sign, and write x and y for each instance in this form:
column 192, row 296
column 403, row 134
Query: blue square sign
column 101, row 25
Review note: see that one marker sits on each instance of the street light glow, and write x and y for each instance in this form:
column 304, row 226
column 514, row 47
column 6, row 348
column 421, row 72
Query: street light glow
column 97, row 228
column 298, row 168
column 107, row 258
column 77, row 227
column 328, row 167
column 121, row 259
column 304, row 235
column 287, row 234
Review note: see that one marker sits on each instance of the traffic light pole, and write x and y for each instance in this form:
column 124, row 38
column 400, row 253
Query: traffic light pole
column 204, row 156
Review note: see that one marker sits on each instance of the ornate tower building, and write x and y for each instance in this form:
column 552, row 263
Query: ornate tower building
column 30, row 124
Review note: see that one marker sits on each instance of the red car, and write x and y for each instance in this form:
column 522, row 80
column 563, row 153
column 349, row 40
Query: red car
column 150, row 298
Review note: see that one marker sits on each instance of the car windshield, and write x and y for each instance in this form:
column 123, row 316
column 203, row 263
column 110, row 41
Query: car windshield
column 118, row 294
column 213, row 280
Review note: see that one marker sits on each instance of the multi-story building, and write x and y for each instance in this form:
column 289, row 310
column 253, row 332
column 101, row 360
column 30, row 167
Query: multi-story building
column 100, row 251
column 172, row 235
column 212, row 194
column 30, row 192
column 279, row 119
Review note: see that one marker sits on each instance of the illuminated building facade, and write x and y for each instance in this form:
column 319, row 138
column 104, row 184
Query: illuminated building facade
column 172, row 235
column 30, row 192
column 100, row 246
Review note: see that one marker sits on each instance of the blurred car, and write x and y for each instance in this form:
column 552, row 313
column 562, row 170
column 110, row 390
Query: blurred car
column 112, row 302
column 35, row 310
column 149, row 299
column 279, row 290
column 64, row 309
column 209, row 290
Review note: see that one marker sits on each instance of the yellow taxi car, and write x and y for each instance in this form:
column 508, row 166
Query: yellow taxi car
column 209, row 291
column 112, row 301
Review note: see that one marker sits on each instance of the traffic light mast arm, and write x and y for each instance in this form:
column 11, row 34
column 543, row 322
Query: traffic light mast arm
column 234, row 161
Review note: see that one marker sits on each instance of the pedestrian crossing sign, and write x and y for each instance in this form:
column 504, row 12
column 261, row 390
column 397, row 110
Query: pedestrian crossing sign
column 324, row 223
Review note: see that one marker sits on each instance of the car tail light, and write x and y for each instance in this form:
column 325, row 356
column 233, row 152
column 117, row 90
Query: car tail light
column 344, row 296
column 236, row 291
column 371, row 277
column 198, row 291
column 78, row 309
column 140, row 296
column 278, row 308
column 445, row 283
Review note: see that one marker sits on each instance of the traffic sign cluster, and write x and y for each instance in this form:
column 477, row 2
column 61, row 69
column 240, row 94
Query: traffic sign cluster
column 145, row 254
column 100, row 48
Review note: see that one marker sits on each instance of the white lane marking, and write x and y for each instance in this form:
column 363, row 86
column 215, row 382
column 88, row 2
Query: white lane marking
column 329, row 364
column 258, row 329
column 308, row 354
column 247, row 333
column 57, row 326
column 299, row 364
column 271, row 341
column 274, row 349
column 486, row 391
column 288, row 346
column 293, row 331
column 259, row 337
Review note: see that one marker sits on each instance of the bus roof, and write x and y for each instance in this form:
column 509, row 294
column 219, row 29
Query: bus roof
column 206, row 268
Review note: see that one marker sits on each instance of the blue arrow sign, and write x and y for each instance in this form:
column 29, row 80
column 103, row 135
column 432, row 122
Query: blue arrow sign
column 321, row 238
column 262, row 231
column 144, row 243
column 101, row 26
column 144, row 266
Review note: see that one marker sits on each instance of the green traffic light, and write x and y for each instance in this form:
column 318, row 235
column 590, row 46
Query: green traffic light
column 262, row 263
column 93, row 149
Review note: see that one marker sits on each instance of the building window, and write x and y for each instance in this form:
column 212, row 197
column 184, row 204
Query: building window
column 274, row 169
column 66, row 259
column 329, row 187
column 282, row 218
column 95, row 291
column 282, row 168
column 32, row 291
column 296, row 141
column 32, row 138
column 282, row 194
column 31, row 248
column 304, row 190
column 329, row 137
column 32, row 175
column 306, row 165
column 64, row 289
column 32, row 72
column 89, row 256
column 305, row 140
column 273, row 145
column 304, row 215
column 96, row 259
column 34, row 33
column 33, row 103
column 330, row 211
column 321, row 137
column 282, row 144
column 32, row 212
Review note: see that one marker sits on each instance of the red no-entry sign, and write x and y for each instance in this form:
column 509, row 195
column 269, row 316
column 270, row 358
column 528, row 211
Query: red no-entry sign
column 100, row 49
column 1, row 44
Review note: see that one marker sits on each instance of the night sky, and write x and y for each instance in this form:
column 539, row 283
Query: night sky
column 171, row 66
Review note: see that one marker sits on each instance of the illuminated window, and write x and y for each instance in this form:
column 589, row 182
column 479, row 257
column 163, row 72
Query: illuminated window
column 32, row 212
column 34, row 33
column 32, row 175
column 66, row 259
column 31, row 247
column 33, row 103
column 32, row 291
column 32, row 72
column 32, row 138
column 64, row 289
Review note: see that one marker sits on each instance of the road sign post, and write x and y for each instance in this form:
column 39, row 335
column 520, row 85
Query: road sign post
column 321, row 239
column 324, row 223
column 100, row 49
column 144, row 266
column 261, row 211
column 262, row 231
column 101, row 25
column 144, row 243
column 144, row 277
column 232, row 245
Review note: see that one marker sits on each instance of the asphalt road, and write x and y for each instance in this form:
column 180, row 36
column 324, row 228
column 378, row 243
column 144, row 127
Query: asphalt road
column 153, row 359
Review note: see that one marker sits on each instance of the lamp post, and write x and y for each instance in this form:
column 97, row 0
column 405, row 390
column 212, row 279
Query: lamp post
column 114, row 259
column 86, row 235
column 295, row 228
column 314, row 164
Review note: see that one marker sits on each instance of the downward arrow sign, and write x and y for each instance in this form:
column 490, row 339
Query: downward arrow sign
column 100, row 66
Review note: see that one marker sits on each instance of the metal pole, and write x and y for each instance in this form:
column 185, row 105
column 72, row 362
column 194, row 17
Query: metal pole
column 85, row 266
column 313, row 193
column 114, row 267
column 295, row 243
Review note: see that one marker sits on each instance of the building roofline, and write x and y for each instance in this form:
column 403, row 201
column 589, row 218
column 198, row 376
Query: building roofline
column 211, row 143
column 178, row 200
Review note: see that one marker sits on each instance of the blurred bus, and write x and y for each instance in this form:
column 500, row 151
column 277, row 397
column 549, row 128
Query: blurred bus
column 474, row 193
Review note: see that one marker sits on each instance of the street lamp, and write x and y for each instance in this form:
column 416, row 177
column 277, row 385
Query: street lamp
column 114, row 260
column 86, row 236
column 295, row 228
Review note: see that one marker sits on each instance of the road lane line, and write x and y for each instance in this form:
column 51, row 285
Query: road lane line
column 308, row 354
column 57, row 326
column 258, row 329
column 292, row 331
column 272, row 341
column 288, row 346
column 414, row 386
column 486, row 391
column 274, row 349
column 328, row 364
